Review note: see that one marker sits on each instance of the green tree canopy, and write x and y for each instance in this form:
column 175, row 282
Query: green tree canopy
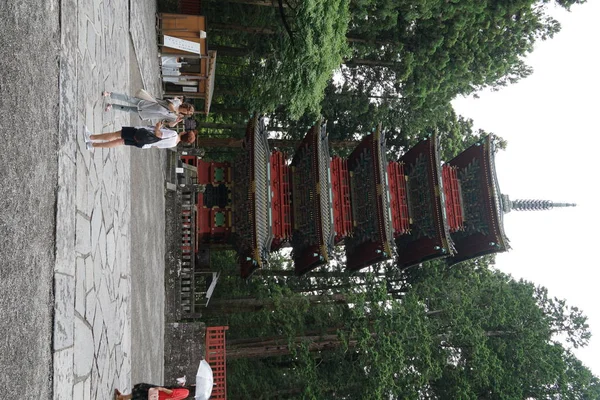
column 467, row 332
column 281, row 57
column 432, row 50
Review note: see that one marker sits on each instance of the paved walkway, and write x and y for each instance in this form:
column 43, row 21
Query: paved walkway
column 95, row 345
column 29, row 46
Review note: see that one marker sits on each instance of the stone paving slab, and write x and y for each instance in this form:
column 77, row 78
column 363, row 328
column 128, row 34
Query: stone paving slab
column 93, row 272
column 29, row 49
column 144, row 37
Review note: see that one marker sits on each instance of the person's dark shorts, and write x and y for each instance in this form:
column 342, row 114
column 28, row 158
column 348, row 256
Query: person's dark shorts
column 128, row 135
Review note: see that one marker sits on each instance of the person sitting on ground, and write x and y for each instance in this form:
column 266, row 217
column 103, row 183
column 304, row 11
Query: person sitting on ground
column 143, row 137
column 172, row 111
column 140, row 391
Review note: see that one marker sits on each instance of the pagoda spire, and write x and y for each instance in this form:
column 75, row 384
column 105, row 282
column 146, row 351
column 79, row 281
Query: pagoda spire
column 530, row 205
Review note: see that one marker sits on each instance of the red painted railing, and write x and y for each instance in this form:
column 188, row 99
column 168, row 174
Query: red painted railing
column 342, row 210
column 454, row 214
column 281, row 202
column 216, row 357
column 398, row 199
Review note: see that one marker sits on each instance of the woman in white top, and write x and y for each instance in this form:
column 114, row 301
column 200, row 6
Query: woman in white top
column 172, row 111
column 143, row 137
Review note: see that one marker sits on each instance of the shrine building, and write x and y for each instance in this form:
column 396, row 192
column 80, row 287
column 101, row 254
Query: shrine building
column 410, row 210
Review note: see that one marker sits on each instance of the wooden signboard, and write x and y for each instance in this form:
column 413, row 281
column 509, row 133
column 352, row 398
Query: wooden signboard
column 181, row 44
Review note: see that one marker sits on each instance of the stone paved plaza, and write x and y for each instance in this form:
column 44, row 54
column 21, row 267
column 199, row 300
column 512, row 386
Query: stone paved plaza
column 96, row 348
column 83, row 232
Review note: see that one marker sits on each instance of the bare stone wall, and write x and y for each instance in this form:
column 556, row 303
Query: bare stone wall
column 184, row 340
column 184, row 348
column 172, row 256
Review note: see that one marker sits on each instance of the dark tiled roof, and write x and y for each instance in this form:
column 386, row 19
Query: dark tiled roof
column 372, row 239
column 483, row 223
column 429, row 235
column 251, row 199
column 312, row 236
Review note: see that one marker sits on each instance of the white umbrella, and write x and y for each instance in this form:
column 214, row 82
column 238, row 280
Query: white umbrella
column 204, row 381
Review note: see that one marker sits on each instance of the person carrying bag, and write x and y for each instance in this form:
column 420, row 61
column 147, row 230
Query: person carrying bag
column 143, row 137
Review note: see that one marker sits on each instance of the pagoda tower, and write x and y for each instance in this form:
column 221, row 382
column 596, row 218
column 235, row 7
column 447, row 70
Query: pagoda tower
column 413, row 209
column 531, row 205
column 311, row 203
column 483, row 204
column 339, row 201
column 425, row 234
column 482, row 231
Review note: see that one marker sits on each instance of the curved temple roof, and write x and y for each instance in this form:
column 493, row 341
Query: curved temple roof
column 483, row 224
column 312, row 233
column 372, row 239
column 252, row 199
column 429, row 235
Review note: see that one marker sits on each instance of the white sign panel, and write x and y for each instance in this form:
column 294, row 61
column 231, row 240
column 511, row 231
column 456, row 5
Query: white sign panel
column 173, row 79
column 181, row 44
column 169, row 71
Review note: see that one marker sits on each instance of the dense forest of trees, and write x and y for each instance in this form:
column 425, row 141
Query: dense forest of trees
column 466, row 332
column 429, row 332
column 361, row 62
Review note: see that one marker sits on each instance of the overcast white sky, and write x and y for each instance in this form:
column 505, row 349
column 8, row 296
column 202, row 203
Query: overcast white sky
column 549, row 120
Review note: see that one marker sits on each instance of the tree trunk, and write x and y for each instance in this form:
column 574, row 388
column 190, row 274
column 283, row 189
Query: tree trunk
column 242, row 28
column 217, row 110
column 234, row 306
column 211, row 125
column 313, row 274
column 335, row 144
column 219, row 142
column 327, row 287
column 279, row 346
column 368, row 41
column 228, row 91
column 261, row 3
column 283, row 393
column 254, row 303
column 281, row 143
column 371, row 63
column 228, row 51
column 370, row 96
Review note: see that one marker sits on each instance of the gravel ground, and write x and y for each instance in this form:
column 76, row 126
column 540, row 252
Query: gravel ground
column 147, row 255
column 29, row 110
column 147, row 267
column 29, row 33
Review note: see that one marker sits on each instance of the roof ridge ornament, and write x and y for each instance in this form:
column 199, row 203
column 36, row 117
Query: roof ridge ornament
column 530, row 204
